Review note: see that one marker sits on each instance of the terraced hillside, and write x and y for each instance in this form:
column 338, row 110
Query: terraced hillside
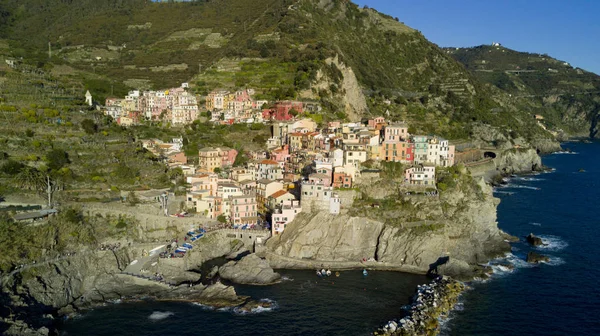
column 567, row 97
column 355, row 61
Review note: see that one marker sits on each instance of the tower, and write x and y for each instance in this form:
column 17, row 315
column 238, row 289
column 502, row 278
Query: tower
column 88, row 98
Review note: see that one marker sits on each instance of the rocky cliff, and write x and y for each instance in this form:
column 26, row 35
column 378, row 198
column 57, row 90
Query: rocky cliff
column 518, row 161
column 33, row 297
column 461, row 225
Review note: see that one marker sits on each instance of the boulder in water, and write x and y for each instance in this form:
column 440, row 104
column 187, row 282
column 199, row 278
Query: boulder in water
column 250, row 270
column 534, row 240
column 536, row 258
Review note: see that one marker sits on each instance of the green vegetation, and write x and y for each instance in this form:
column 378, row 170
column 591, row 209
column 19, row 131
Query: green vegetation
column 67, row 232
column 537, row 84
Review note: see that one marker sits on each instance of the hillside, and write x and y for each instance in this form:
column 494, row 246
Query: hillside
column 567, row 97
column 355, row 61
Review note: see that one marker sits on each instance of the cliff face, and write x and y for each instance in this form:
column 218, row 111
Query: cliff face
column 464, row 228
column 30, row 298
column 518, row 160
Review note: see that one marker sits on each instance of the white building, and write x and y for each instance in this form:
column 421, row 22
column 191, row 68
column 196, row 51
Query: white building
column 420, row 175
column 283, row 215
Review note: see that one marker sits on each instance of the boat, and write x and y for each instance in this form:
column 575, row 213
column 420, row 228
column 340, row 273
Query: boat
column 318, row 273
column 323, row 272
column 328, row 273
column 337, row 274
column 365, row 273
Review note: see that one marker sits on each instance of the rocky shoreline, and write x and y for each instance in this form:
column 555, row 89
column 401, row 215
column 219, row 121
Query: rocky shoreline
column 430, row 303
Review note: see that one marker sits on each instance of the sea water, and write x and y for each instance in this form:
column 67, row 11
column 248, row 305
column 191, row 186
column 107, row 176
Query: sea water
column 561, row 297
column 302, row 304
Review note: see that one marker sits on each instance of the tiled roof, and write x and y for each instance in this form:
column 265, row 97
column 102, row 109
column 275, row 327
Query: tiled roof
column 278, row 193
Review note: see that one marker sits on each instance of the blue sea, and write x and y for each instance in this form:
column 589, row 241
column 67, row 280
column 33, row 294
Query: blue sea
column 561, row 297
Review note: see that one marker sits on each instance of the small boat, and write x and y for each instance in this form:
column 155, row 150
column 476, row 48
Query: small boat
column 365, row 273
column 323, row 272
column 319, row 273
column 337, row 274
column 328, row 273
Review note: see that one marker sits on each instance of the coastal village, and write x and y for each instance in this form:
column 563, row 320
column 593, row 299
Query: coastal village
column 303, row 167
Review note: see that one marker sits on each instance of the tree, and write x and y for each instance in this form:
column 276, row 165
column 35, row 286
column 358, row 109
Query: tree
column 293, row 112
column 89, row 126
column 222, row 219
column 132, row 198
column 57, row 159
column 47, row 179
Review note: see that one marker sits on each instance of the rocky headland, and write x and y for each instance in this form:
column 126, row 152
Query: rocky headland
column 449, row 233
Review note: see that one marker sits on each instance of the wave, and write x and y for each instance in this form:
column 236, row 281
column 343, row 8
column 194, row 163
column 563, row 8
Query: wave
column 286, row 278
column 552, row 243
column 554, row 261
column 504, row 192
column 535, row 224
column 519, row 186
column 158, row 315
column 204, row 307
column 565, row 152
column 529, row 179
column 272, row 305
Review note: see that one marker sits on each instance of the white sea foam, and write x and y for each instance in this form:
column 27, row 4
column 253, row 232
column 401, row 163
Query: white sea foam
column 503, row 192
column 259, row 309
column 204, row 307
column 286, row 278
column 519, row 186
column 552, row 243
column 565, row 152
column 554, row 261
column 529, row 179
column 535, row 224
column 158, row 315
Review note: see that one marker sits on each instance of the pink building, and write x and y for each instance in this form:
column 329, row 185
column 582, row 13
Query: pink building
column 243, row 209
column 376, row 123
column 229, row 155
column 281, row 155
column 320, row 178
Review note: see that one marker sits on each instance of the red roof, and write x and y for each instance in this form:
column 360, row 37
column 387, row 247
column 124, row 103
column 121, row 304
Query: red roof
column 270, row 162
column 279, row 193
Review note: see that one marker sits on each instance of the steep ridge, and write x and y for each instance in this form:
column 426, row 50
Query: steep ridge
column 567, row 97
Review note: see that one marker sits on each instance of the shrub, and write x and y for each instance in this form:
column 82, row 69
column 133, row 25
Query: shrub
column 89, row 126
column 12, row 167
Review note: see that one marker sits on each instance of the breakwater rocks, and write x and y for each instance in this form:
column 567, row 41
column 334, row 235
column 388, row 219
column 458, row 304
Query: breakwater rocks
column 431, row 301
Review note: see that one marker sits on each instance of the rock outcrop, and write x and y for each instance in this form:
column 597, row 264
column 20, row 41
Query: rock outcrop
column 518, row 160
column 536, row 258
column 534, row 240
column 250, row 270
